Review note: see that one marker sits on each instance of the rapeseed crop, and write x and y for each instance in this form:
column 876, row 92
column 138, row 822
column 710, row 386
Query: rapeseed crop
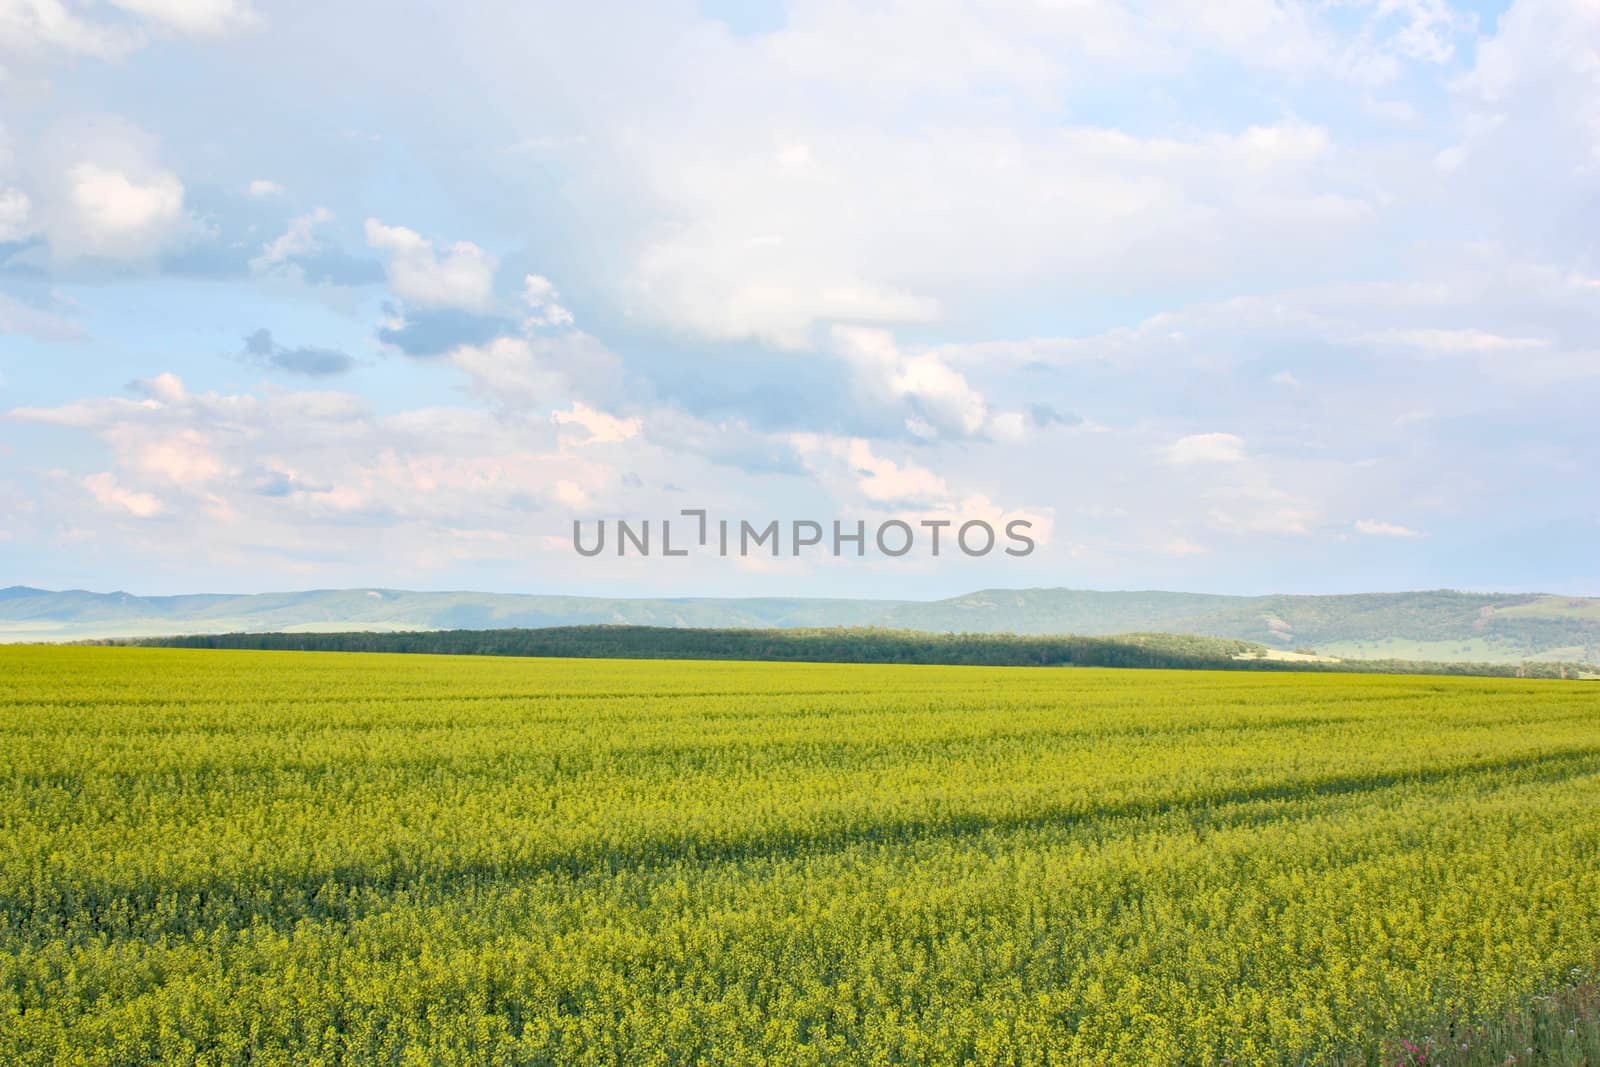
column 279, row 858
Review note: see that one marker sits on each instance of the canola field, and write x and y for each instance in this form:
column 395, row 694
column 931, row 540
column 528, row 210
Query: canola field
column 285, row 858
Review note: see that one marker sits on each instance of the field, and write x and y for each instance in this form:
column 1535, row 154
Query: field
column 272, row 858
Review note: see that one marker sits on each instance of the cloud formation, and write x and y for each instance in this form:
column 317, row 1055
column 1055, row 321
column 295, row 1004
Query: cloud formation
column 260, row 348
column 1206, row 448
column 1220, row 296
column 462, row 277
column 1374, row 528
column 112, row 214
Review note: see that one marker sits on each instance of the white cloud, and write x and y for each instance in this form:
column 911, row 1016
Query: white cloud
column 815, row 188
column 535, row 375
column 886, row 481
column 769, row 185
column 463, row 277
column 317, row 475
column 16, row 213
column 544, row 303
column 186, row 457
column 1183, row 548
column 1541, row 315
column 1527, row 143
column 1451, row 342
column 165, row 388
column 855, row 470
column 1206, row 448
column 938, row 400
column 116, row 215
column 298, row 240
column 1374, row 528
column 509, row 370
column 197, row 17
column 943, row 396
column 114, row 497
column 1010, row 427
column 1427, row 29
column 600, row 428
column 759, row 248
column 890, row 52
column 289, row 468
column 31, row 24
column 979, row 506
column 572, row 495
column 35, row 26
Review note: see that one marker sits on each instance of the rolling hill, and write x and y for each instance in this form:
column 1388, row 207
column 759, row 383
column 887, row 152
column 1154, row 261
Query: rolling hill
column 1438, row 625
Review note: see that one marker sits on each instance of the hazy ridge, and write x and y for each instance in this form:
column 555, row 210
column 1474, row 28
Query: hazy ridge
column 1435, row 625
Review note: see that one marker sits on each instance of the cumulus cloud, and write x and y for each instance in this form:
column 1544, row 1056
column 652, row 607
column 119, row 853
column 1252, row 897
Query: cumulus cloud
column 16, row 215
column 34, row 26
column 197, row 17
column 1374, row 528
column 727, row 444
column 113, row 497
column 165, row 388
column 937, row 399
column 857, row 470
column 185, row 457
column 775, row 217
column 544, row 303
column 27, row 25
column 297, row 241
column 1451, row 342
column 598, row 427
column 1183, row 548
column 1206, row 448
column 275, row 464
column 285, row 476
column 114, row 214
column 886, row 481
column 759, row 247
column 512, row 373
column 870, row 208
column 1526, row 145
column 771, row 185
column 1523, row 323
column 461, row 277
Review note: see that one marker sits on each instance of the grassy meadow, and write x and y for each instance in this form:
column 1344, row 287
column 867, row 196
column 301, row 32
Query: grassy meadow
column 221, row 857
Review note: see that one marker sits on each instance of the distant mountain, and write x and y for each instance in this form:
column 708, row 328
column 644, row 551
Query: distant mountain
column 1439, row 625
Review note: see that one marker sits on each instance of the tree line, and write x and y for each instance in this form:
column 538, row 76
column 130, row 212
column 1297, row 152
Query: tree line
column 848, row 645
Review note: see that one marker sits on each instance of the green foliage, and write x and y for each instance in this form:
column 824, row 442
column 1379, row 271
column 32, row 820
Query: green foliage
column 1560, row 1028
column 270, row 858
column 855, row 645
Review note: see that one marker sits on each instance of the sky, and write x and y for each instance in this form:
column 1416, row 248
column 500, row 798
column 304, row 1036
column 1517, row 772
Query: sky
column 1246, row 297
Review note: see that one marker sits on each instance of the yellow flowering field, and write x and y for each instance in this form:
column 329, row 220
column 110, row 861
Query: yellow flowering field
column 214, row 857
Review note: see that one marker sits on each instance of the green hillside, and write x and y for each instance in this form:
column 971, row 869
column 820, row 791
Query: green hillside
column 1437, row 625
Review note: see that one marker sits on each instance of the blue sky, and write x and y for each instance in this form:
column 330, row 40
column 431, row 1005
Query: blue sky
column 1248, row 297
